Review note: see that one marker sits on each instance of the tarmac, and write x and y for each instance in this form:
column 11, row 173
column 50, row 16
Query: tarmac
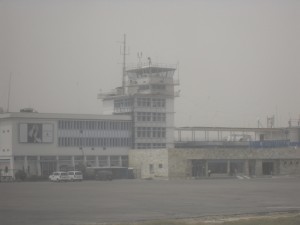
column 105, row 202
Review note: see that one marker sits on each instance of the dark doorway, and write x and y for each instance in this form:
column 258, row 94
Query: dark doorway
column 198, row 168
column 267, row 168
column 218, row 166
column 261, row 137
column 251, row 167
column 236, row 167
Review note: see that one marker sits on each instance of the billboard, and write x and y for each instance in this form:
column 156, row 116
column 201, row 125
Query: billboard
column 36, row 133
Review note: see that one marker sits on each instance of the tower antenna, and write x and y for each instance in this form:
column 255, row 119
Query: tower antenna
column 124, row 53
column 8, row 98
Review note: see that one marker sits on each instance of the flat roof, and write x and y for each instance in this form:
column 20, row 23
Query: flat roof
column 244, row 129
column 152, row 69
column 63, row 116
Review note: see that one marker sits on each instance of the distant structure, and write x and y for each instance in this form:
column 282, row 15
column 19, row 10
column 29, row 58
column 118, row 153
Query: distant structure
column 148, row 96
column 138, row 135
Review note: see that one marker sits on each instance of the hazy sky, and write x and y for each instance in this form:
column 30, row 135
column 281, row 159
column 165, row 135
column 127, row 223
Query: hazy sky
column 238, row 60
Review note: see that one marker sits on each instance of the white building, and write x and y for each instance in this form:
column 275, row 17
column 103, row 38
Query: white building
column 148, row 96
column 40, row 143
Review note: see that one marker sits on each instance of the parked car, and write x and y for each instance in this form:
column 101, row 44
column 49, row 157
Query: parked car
column 103, row 175
column 75, row 176
column 59, row 176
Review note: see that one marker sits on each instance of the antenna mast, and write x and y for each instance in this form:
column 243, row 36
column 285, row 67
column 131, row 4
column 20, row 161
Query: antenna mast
column 124, row 53
column 8, row 98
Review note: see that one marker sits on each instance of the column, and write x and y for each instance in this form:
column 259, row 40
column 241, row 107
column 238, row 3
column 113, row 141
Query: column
column 26, row 165
column 11, row 171
column 258, row 167
column 57, row 163
column 246, row 168
column 228, row 167
column 73, row 161
column 108, row 159
column 120, row 161
column 84, row 160
column 97, row 161
column 38, row 166
column 206, row 168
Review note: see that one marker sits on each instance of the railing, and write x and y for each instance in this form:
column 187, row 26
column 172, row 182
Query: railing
column 230, row 144
column 133, row 66
column 269, row 144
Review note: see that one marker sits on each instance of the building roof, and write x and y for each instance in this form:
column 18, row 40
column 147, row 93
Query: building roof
column 36, row 115
column 150, row 69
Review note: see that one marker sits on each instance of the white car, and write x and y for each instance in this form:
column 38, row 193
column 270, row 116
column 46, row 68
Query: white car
column 59, row 176
column 75, row 176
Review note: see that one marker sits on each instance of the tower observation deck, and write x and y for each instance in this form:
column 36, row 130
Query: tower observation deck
column 148, row 96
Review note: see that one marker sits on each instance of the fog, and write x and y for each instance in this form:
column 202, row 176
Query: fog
column 238, row 61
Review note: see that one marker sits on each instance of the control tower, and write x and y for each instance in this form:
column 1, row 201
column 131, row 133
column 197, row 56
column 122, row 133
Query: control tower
column 147, row 94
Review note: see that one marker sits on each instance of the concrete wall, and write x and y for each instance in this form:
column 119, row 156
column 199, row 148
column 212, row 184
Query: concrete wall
column 177, row 162
column 179, row 159
column 141, row 159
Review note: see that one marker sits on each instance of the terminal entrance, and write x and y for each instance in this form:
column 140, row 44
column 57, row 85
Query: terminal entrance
column 236, row 167
column 268, row 168
column 198, row 168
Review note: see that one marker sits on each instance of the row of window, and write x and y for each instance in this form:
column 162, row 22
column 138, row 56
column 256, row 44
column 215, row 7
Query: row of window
column 153, row 87
column 148, row 116
column 151, row 102
column 151, row 132
column 120, row 103
column 103, row 160
column 94, row 125
column 93, row 142
column 140, row 102
column 152, row 73
column 150, row 145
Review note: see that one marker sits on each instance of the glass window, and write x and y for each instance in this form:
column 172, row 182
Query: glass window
column 114, row 161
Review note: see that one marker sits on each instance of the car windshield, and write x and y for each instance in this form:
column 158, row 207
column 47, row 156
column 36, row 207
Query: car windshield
column 64, row 174
column 78, row 173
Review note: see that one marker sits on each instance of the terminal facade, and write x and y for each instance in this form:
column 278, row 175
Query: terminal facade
column 41, row 143
column 137, row 130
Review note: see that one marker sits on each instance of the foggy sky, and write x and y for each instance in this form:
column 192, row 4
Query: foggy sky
column 238, row 60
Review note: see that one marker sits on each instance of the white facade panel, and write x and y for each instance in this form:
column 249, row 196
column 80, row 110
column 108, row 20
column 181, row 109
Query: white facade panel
column 32, row 139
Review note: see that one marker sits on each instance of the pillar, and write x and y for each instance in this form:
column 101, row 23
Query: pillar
column 108, row 160
column 57, row 163
column 97, row 161
column 26, row 165
column 246, row 167
column 120, row 160
column 11, row 166
column 38, row 166
column 73, row 161
column 206, row 168
column 258, row 167
column 228, row 167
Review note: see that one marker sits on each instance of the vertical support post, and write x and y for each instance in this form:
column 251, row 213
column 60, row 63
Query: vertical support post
column 206, row 168
column 57, row 163
column 108, row 161
column 11, row 171
column 97, row 161
column 73, row 161
column 120, row 160
column 38, row 165
column 246, row 167
column 26, row 165
column 228, row 167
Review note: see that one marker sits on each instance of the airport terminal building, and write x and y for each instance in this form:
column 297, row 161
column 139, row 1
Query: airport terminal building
column 137, row 130
column 40, row 143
